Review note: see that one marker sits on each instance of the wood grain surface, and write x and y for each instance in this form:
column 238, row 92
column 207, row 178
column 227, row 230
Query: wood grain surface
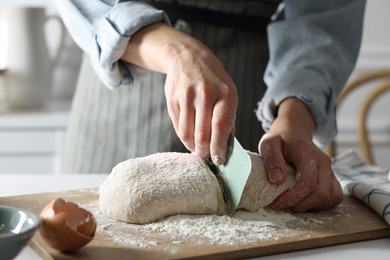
column 350, row 221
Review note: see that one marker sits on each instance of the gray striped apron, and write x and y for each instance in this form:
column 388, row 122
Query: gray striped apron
column 110, row 126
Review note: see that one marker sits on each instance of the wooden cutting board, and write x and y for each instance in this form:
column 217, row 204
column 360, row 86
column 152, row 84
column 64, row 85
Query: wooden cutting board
column 350, row 221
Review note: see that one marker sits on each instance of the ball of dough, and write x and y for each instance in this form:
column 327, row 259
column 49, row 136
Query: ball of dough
column 146, row 189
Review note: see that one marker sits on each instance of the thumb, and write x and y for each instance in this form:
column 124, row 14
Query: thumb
column 270, row 148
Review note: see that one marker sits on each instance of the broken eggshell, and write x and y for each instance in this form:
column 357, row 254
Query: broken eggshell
column 65, row 226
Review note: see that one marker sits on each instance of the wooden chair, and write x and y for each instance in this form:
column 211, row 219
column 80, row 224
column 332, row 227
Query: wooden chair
column 368, row 102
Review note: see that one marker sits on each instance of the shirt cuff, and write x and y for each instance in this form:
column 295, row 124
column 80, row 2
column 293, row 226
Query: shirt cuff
column 112, row 37
column 314, row 93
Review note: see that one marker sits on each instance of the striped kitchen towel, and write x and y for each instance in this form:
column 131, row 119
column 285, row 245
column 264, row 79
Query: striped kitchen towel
column 368, row 183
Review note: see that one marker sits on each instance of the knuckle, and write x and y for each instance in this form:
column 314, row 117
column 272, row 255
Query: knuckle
column 185, row 97
column 269, row 139
column 171, row 102
column 203, row 88
column 337, row 196
column 309, row 187
column 227, row 88
column 188, row 93
column 326, row 161
column 222, row 123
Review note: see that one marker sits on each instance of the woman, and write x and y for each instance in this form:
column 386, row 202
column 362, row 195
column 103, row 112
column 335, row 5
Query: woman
column 204, row 77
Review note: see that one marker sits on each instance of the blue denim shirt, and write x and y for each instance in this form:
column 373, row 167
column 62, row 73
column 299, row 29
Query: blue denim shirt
column 313, row 49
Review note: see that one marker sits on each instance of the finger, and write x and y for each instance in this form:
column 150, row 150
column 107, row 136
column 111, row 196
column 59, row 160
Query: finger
column 234, row 129
column 174, row 114
column 322, row 194
column 328, row 192
column 336, row 192
column 306, row 183
column 322, row 198
column 186, row 125
column 270, row 149
column 202, row 131
column 222, row 125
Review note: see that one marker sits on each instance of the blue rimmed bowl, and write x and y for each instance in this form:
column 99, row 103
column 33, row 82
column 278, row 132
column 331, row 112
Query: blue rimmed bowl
column 17, row 226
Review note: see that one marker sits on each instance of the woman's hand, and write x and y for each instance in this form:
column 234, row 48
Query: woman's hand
column 290, row 141
column 201, row 96
column 202, row 100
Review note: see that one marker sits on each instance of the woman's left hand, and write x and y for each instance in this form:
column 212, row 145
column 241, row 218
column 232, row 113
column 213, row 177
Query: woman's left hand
column 289, row 141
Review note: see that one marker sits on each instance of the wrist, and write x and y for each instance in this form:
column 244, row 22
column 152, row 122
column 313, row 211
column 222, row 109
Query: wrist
column 145, row 47
column 181, row 48
column 156, row 46
column 294, row 116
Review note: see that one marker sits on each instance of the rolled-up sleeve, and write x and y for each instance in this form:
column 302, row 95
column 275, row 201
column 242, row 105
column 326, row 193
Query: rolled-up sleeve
column 313, row 50
column 103, row 29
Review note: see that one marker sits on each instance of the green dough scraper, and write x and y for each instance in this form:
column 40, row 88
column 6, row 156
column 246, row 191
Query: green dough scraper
column 233, row 173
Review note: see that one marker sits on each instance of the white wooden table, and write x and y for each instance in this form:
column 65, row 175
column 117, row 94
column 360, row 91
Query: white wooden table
column 17, row 184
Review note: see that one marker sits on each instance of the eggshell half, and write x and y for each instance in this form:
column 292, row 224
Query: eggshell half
column 65, row 226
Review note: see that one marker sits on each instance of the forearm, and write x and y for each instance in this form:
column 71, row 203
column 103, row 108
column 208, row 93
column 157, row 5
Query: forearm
column 156, row 46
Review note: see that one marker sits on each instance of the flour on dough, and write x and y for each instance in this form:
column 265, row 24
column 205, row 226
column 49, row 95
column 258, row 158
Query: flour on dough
column 146, row 189
column 150, row 188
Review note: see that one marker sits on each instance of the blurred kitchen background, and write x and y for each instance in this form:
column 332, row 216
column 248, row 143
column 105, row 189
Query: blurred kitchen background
column 32, row 129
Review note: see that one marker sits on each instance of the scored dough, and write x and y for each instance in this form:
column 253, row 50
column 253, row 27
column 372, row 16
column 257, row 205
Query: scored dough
column 146, row 189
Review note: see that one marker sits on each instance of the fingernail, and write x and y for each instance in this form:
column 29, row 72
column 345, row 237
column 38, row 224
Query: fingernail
column 217, row 160
column 218, row 157
column 275, row 175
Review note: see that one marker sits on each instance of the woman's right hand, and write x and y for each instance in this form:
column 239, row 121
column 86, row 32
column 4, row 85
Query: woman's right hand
column 201, row 96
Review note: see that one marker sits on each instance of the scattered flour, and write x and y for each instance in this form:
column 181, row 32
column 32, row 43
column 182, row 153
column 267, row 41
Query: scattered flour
column 242, row 227
column 172, row 234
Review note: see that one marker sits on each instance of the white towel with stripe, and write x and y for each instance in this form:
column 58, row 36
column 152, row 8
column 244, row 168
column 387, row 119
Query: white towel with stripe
column 368, row 183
